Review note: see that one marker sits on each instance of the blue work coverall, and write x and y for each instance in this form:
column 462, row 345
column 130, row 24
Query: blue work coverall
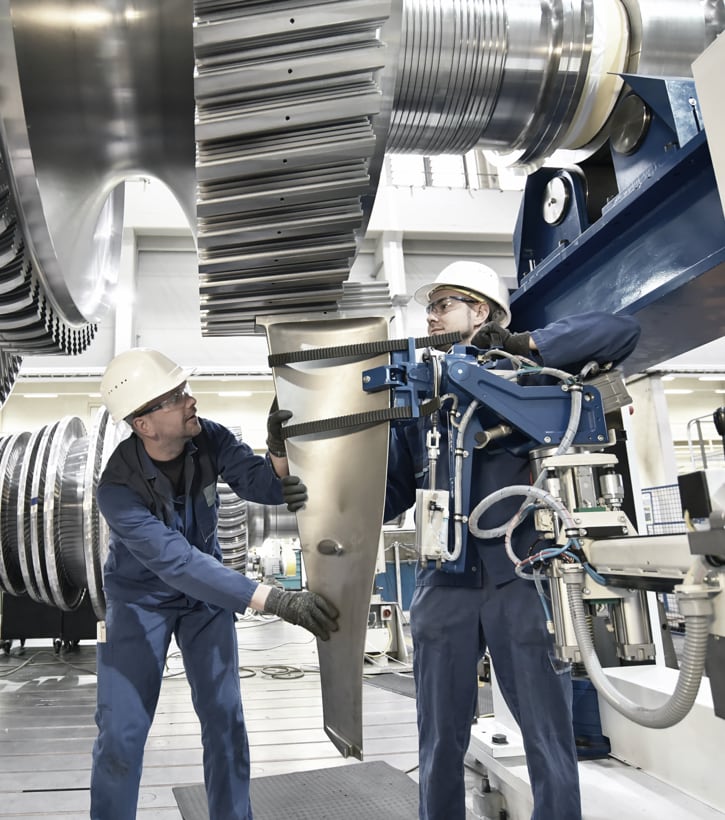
column 164, row 576
column 454, row 617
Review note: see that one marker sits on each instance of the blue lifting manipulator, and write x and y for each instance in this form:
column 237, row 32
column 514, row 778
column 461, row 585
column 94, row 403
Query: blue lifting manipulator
column 483, row 403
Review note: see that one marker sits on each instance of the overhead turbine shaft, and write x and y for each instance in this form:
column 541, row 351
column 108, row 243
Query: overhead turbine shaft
column 291, row 108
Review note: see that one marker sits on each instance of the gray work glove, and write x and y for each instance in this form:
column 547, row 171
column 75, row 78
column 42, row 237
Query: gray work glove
column 294, row 492
column 275, row 419
column 307, row 609
column 493, row 335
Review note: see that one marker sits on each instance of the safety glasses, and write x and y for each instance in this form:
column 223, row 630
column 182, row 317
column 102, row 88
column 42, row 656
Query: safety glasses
column 180, row 395
column 443, row 305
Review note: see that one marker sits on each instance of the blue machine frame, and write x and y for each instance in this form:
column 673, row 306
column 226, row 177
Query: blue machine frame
column 658, row 249
column 540, row 413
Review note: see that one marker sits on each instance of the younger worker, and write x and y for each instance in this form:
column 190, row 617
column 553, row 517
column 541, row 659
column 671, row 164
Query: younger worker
column 164, row 578
column 454, row 617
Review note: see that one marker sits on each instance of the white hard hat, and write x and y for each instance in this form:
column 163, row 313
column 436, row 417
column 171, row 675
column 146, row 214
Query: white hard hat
column 472, row 278
column 135, row 377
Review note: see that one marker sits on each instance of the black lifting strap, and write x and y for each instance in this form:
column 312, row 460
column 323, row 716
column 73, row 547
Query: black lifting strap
column 358, row 419
column 365, row 350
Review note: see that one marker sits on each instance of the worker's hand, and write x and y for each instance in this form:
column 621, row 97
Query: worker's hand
column 493, row 335
column 304, row 608
column 275, row 419
column 294, row 492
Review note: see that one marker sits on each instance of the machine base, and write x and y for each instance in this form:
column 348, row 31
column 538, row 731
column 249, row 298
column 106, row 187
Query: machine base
column 609, row 788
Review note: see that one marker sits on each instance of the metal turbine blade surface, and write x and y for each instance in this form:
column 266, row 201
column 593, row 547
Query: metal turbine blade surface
column 344, row 471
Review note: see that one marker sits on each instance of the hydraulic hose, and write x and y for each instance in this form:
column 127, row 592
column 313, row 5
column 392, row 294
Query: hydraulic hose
column 564, row 445
column 696, row 606
column 458, row 483
column 572, row 427
column 527, row 490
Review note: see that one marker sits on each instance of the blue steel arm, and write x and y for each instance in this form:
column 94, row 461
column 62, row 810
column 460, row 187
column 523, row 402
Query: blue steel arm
column 656, row 252
column 539, row 412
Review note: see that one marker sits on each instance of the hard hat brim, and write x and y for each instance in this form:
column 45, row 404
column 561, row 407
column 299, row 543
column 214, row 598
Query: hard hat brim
column 422, row 294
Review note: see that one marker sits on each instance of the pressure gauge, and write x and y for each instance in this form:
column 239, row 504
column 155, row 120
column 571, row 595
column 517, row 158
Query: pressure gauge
column 557, row 195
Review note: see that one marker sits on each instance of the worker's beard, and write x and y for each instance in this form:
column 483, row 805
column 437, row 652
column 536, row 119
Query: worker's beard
column 446, row 347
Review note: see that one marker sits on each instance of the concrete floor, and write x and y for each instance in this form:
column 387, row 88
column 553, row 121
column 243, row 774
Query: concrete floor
column 47, row 701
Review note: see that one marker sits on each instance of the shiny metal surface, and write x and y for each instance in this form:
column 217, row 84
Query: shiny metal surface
column 340, row 525
column 10, row 576
column 505, row 76
column 526, row 79
column 244, row 525
column 60, row 531
column 92, row 102
column 9, row 368
column 35, row 512
column 42, row 515
column 232, row 528
column 296, row 104
column 11, row 462
column 630, row 124
column 89, row 95
column 292, row 108
column 22, row 513
column 103, row 439
column 264, row 521
column 70, row 541
column 666, row 33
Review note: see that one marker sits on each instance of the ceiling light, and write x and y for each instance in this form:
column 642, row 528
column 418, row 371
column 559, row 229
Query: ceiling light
column 669, row 378
column 39, row 395
column 235, row 394
column 676, row 392
column 712, row 378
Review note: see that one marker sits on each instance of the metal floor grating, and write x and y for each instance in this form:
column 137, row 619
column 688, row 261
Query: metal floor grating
column 365, row 791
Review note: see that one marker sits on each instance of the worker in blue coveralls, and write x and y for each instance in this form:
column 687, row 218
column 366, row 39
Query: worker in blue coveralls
column 455, row 617
column 164, row 577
